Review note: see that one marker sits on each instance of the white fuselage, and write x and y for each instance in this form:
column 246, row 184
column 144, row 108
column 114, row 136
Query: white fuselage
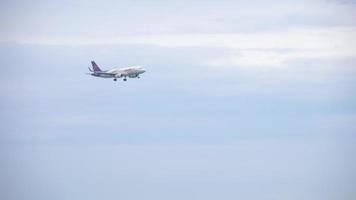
column 127, row 71
column 131, row 72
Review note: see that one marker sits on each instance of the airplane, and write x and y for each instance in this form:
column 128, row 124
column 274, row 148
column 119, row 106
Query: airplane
column 131, row 72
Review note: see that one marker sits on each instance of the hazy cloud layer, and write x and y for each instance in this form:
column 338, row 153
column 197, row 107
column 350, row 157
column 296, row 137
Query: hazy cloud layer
column 241, row 100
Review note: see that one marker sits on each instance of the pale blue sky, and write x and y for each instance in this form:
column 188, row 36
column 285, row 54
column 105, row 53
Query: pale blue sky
column 240, row 100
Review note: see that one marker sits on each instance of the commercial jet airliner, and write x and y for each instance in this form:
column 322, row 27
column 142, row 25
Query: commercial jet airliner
column 131, row 72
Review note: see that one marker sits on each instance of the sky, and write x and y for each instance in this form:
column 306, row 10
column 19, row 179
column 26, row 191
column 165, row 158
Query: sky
column 240, row 100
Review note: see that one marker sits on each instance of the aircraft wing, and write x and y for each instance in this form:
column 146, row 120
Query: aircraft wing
column 105, row 73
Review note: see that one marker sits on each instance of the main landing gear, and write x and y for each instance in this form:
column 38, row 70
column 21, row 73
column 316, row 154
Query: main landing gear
column 125, row 79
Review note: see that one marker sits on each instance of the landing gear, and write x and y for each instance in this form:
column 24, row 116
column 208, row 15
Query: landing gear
column 138, row 77
column 115, row 79
column 125, row 79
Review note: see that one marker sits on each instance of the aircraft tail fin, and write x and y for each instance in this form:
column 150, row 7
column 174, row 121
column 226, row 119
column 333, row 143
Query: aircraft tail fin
column 95, row 67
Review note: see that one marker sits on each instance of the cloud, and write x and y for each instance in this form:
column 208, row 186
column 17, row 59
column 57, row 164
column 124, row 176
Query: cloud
column 82, row 18
column 270, row 58
column 304, row 38
column 267, row 48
